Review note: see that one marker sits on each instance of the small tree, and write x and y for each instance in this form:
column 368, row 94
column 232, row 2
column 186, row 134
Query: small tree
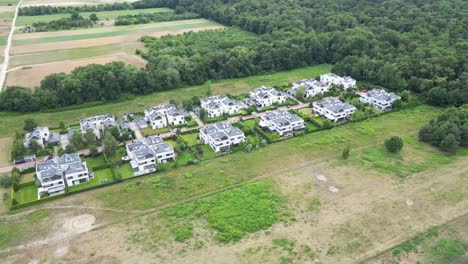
column 346, row 151
column 75, row 15
column 300, row 93
column 110, row 144
column 69, row 149
column 394, row 144
column 202, row 113
column 93, row 151
column 94, row 18
column 449, row 143
column 18, row 150
column 76, row 140
column 34, row 146
column 29, row 124
column 62, row 126
column 89, row 137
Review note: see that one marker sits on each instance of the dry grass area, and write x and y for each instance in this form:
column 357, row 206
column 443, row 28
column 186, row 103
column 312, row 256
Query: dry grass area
column 5, row 144
column 66, row 2
column 74, row 44
column 31, row 76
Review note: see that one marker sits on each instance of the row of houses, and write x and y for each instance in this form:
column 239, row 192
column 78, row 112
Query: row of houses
column 57, row 173
column 314, row 87
column 162, row 116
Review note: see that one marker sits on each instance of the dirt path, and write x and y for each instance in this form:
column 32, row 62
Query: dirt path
column 6, row 56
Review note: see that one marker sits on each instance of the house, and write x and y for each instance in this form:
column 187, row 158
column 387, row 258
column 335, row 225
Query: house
column 157, row 120
column 143, row 159
column 54, row 138
column 97, row 124
column 141, row 122
column 39, row 134
column 378, row 98
column 220, row 105
column 334, row 109
column 176, row 117
column 146, row 153
column 50, row 176
column 163, row 151
column 75, row 172
column 331, row 78
column 221, row 136
column 312, row 87
column 59, row 172
column 124, row 125
column 281, row 122
column 266, row 96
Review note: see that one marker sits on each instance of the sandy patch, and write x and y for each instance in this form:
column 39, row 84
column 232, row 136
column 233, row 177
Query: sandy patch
column 321, row 177
column 409, row 203
column 31, row 76
column 333, row 189
column 99, row 41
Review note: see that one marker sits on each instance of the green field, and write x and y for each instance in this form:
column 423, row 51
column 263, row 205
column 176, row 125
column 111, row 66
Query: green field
column 8, row 2
column 240, row 166
column 93, row 33
column 104, row 15
column 74, row 54
column 12, row 122
column 26, row 194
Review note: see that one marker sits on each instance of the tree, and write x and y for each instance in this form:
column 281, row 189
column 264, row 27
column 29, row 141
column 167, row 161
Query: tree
column 90, row 137
column 437, row 96
column 394, row 144
column 110, row 144
column 93, row 17
column 29, row 124
column 75, row 15
column 69, row 149
column 93, row 151
column 77, row 140
column 300, row 93
column 18, row 150
column 449, row 143
column 34, row 146
column 345, row 153
column 464, row 135
column 202, row 113
column 425, row 133
column 62, row 126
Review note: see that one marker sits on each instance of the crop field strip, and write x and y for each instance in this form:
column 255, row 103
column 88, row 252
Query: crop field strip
column 103, row 15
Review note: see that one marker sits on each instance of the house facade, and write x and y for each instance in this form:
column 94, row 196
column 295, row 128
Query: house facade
column 221, row 136
column 163, row 151
column 332, row 79
column 334, row 109
column 39, row 134
column 219, row 105
column 312, row 87
column 163, row 115
column 176, row 117
column 75, row 172
column 97, row 124
column 266, row 96
column 146, row 153
column 379, row 99
column 281, row 122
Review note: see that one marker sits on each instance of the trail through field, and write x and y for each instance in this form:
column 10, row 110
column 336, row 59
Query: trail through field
column 6, row 56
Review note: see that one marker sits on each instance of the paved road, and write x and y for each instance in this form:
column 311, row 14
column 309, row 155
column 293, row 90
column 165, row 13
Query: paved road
column 6, row 56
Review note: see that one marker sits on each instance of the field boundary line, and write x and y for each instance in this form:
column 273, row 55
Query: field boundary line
column 6, row 56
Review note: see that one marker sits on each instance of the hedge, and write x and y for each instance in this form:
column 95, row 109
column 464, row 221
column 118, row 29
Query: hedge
column 26, row 184
column 101, row 167
column 263, row 134
column 28, row 170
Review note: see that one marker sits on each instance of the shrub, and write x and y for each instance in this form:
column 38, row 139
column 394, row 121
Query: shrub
column 394, row 144
column 345, row 153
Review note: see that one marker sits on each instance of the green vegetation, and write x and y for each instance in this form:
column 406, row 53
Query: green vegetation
column 73, row 22
column 27, row 227
column 26, row 194
column 144, row 18
column 94, row 162
column 13, row 122
column 393, row 144
column 191, row 139
column 100, row 177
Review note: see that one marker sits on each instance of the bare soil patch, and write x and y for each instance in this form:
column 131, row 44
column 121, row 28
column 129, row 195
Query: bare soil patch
column 31, row 76
column 99, row 41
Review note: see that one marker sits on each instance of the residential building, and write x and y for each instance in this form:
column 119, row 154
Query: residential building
column 312, row 87
column 281, row 122
column 74, row 171
column 39, row 134
column 221, row 136
column 141, row 122
column 176, row 117
column 220, row 105
column 334, row 109
column 378, row 98
column 146, row 153
column 266, row 96
column 54, row 138
column 331, row 78
column 157, row 120
column 163, row 115
column 97, row 124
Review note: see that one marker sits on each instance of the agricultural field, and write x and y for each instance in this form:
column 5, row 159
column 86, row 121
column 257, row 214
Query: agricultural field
column 36, row 55
column 66, row 2
column 308, row 205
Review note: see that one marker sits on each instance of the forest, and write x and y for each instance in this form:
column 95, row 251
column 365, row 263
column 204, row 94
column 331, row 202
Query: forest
column 399, row 44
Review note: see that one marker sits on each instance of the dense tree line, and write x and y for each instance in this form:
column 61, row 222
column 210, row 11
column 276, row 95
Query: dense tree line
column 72, row 22
column 394, row 43
column 145, row 18
column 448, row 131
column 48, row 10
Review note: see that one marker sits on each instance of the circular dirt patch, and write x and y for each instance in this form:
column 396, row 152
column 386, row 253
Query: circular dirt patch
column 333, row 189
column 83, row 222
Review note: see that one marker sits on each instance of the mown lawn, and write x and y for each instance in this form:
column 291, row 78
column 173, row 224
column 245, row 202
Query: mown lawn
column 26, row 194
column 149, row 131
column 125, row 170
column 240, row 166
column 27, row 177
column 93, row 162
column 191, row 138
column 207, row 152
column 14, row 121
column 100, row 177
column 103, row 15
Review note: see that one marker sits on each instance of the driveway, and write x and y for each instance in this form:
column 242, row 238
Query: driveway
column 64, row 140
column 197, row 119
column 133, row 126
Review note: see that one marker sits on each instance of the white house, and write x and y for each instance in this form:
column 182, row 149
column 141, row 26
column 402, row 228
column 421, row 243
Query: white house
column 267, row 96
column 221, row 136
column 379, row 98
column 175, row 117
column 334, row 109
column 97, row 124
column 281, row 122
column 74, row 171
column 50, row 176
column 163, row 115
column 57, row 173
column 146, row 153
column 312, row 87
column 219, row 105
column 143, row 160
column 39, row 134
column 331, row 78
